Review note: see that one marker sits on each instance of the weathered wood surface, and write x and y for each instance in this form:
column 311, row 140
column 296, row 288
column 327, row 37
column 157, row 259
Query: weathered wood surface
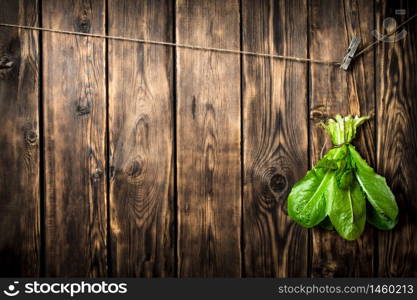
column 332, row 92
column 208, row 140
column 275, row 131
column 203, row 147
column 19, row 141
column 74, row 90
column 396, row 69
column 141, row 140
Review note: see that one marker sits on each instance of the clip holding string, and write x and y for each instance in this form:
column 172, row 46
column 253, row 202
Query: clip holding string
column 350, row 53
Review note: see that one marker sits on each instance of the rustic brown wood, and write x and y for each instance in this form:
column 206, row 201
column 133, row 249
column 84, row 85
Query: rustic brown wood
column 208, row 133
column 333, row 91
column 396, row 89
column 275, row 125
column 19, row 141
column 222, row 140
column 75, row 122
column 141, row 140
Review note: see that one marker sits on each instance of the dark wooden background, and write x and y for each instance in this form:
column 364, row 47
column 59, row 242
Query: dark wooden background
column 125, row 159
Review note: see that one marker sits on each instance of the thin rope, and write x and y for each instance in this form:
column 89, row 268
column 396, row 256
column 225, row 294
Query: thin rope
column 365, row 49
column 177, row 45
column 195, row 47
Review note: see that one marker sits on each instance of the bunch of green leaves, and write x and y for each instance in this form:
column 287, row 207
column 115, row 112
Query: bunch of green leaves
column 342, row 191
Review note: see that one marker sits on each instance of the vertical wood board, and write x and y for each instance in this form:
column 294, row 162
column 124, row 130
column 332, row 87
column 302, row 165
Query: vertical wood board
column 397, row 137
column 275, row 111
column 141, row 140
column 208, row 140
column 19, row 141
column 74, row 90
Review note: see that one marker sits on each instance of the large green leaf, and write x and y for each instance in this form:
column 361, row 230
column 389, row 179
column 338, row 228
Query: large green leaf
column 379, row 220
column 383, row 212
column 307, row 204
column 347, row 209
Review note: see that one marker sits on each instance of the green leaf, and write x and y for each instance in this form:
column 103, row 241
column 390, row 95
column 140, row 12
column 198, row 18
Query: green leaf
column 307, row 204
column 347, row 209
column 378, row 220
column 383, row 212
column 342, row 130
column 345, row 179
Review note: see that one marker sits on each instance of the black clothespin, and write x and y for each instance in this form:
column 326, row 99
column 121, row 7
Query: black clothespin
column 350, row 53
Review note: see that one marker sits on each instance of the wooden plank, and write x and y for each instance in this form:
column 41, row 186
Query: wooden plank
column 19, row 140
column 333, row 91
column 141, row 140
column 208, row 139
column 396, row 66
column 75, row 123
column 275, row 135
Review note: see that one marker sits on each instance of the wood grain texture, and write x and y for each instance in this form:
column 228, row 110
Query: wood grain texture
column 275, row 123
column 208, row 139
column 75, row 122
column 203, row 167
column 397, row 138
column 19, row 141
column 333, row 91
column 141, row 140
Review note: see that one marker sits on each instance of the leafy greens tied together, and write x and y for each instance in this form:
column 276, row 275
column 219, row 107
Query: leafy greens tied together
column 342, row 191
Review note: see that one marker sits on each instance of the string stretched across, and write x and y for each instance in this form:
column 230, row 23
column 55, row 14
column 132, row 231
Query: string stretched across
column 195, row 47
column 177, row 45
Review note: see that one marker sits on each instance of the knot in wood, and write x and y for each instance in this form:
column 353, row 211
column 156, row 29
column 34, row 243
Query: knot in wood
column 83, row 109
column 8, row 66
column 31, row 137
column 83, row 24
column 278, row 183
column 134, row 169
column 6, row 63
column 318, row 116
